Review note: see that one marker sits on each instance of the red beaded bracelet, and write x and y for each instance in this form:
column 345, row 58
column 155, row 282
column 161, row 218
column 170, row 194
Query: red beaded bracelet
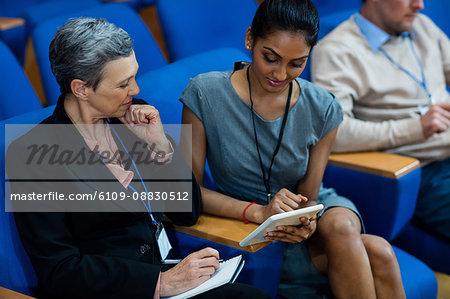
column 243, row 213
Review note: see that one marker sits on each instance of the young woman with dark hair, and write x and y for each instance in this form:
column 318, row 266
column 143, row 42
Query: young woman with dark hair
column 267, row 135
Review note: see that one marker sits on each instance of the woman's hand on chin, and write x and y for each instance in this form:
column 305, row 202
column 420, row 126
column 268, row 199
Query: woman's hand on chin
column 144, row 121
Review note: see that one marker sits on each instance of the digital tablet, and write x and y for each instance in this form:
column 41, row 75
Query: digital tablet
column 271, row 223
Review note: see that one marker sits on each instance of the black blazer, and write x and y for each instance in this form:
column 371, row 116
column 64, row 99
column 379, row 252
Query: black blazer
column 90, row 255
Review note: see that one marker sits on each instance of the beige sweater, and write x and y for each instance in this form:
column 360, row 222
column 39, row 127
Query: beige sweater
column 380, row 101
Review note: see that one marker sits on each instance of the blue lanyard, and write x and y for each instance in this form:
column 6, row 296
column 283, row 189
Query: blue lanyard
column 147, row 206
column 422, row 83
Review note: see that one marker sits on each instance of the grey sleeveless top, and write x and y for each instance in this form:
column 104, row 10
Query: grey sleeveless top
column 231, row 152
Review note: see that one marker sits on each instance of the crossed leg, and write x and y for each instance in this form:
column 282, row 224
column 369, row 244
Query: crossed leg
column 357, row 265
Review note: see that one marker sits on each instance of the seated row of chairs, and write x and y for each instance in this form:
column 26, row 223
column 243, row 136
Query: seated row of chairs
column 24, row 8
column 33, row 12
column 149, row 55
column 179, row 37
column 195, row 25
column 161, row 88
column 184, row 33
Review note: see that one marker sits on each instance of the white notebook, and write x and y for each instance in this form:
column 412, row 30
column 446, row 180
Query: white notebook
column 227, row 273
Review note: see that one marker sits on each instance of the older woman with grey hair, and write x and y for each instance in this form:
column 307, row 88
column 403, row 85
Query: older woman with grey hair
column 113, row 255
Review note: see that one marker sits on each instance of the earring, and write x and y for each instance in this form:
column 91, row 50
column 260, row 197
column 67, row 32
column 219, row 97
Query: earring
column 248, row 47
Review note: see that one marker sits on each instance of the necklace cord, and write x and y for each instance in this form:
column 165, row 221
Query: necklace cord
column 277, row 148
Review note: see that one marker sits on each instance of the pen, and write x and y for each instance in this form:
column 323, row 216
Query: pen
column 176, row 261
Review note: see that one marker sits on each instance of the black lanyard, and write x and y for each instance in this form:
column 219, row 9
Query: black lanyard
column 280, row 137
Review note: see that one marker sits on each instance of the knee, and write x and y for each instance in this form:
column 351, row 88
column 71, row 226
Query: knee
column 340, row 227
column 380, row 252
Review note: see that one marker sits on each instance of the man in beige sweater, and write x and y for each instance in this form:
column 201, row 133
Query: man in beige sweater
column 390, row 67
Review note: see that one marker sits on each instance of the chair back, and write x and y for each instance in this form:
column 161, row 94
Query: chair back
column 425, row 245
column 13, row 9
column 42, row 11
column 196, row 26
column 326, row 7
column 16, row 271
column 163, row 87
column 16, row 94
column 148, row 54
column 437, row 11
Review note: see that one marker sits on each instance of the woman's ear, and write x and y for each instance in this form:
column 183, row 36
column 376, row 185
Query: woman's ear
column 249, row 39
column 79, row 89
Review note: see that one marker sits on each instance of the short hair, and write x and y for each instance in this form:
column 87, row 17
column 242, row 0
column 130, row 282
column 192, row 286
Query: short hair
column 81, row 48
column 286, row 15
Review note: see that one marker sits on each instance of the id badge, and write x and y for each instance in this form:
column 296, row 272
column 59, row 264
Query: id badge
column 163, row 241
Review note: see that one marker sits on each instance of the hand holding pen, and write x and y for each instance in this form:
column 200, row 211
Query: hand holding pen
column 176, row 261
column 190, row 272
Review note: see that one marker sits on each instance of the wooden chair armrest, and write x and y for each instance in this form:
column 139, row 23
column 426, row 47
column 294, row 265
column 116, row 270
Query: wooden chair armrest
column 221, row 230
column 8, row 23
column 9, row 294
column 378, row 163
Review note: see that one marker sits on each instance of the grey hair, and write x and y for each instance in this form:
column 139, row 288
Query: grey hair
column 81, row 48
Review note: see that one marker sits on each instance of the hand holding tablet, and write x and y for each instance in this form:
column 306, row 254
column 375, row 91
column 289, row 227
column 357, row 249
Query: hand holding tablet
column 271, row 224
